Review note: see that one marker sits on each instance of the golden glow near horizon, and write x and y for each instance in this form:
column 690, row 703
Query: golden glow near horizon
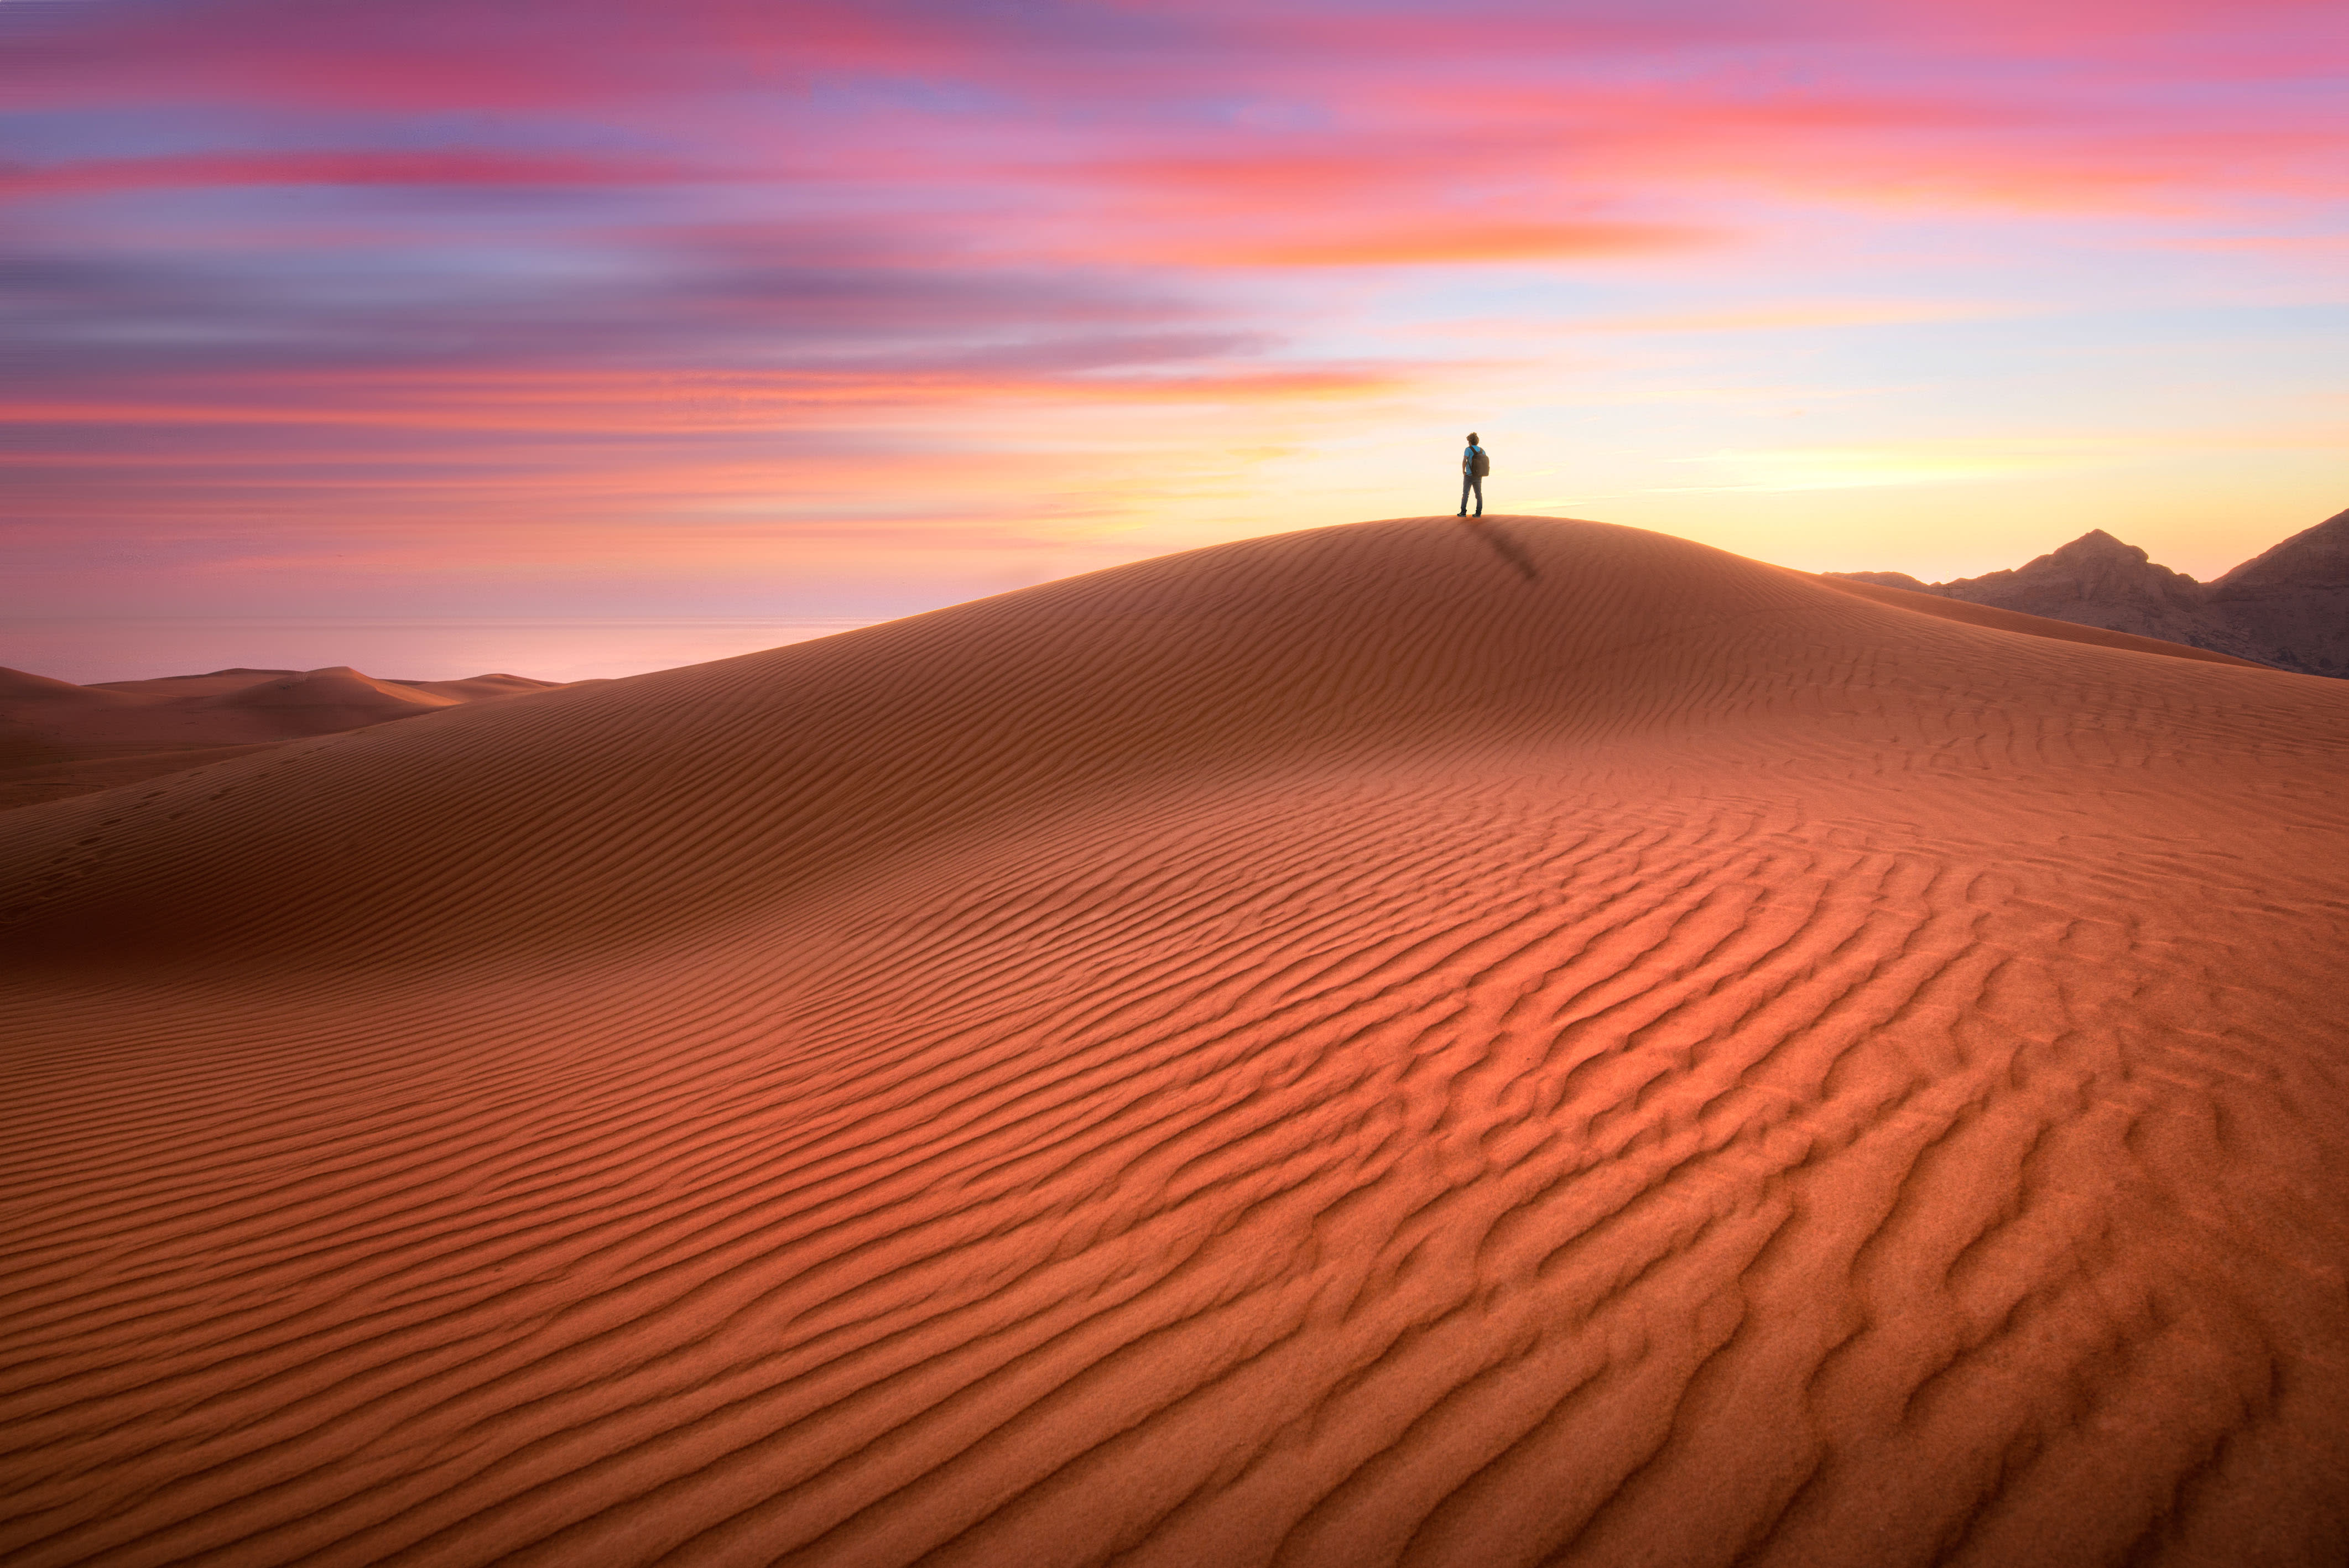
column 834, row 313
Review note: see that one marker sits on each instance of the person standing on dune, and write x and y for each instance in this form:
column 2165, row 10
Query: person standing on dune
column 1473, row 466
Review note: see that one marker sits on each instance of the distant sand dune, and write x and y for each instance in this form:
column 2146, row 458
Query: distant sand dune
column 58, row 739
column 1400, row 1044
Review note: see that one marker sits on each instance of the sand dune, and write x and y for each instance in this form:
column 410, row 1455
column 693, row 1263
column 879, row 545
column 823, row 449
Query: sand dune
column 1419, row 1043
column 58, row 739
column 2032, row 625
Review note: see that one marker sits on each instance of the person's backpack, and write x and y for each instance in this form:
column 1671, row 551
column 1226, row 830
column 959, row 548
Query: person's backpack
column 1484, row 463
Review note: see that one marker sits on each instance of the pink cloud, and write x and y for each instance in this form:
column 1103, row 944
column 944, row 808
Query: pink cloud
column 357, row 167
column 438, row 264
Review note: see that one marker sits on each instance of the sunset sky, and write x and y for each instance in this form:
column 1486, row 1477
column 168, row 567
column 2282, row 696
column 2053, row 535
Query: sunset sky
column 716, row 307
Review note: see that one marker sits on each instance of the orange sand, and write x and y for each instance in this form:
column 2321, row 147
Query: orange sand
column 2036, row 625
column 58, row 739
column 1417, row 1042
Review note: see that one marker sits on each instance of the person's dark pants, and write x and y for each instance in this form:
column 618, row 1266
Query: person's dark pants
column 1475, row 483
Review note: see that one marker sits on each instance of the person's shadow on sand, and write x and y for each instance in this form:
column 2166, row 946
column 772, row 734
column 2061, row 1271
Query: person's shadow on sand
column 1502, row 545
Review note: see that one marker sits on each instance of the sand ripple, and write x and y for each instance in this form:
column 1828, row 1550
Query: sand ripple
column 1390, row 1045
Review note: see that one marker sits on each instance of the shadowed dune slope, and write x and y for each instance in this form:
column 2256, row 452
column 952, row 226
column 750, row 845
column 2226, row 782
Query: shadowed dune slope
column 1416, row 1043
column 2033, row 626
column 58, row 739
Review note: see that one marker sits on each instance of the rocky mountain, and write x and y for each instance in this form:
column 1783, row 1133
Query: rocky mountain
column 2288, row 607
column 2293, row 602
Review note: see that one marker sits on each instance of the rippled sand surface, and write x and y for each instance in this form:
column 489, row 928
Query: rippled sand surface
column 1414, row 1043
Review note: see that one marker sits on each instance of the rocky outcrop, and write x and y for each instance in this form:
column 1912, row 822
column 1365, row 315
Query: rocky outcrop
column 2288, row 607
column 2292, row 604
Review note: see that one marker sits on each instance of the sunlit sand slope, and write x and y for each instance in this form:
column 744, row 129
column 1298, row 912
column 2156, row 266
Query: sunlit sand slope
column 1411, row 1043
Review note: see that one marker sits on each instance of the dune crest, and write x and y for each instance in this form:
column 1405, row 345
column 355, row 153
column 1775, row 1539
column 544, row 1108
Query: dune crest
column 1414, row 1043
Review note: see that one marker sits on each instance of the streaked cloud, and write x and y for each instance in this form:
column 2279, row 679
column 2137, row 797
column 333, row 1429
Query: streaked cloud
column 446, row 288
column 1908, row 463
